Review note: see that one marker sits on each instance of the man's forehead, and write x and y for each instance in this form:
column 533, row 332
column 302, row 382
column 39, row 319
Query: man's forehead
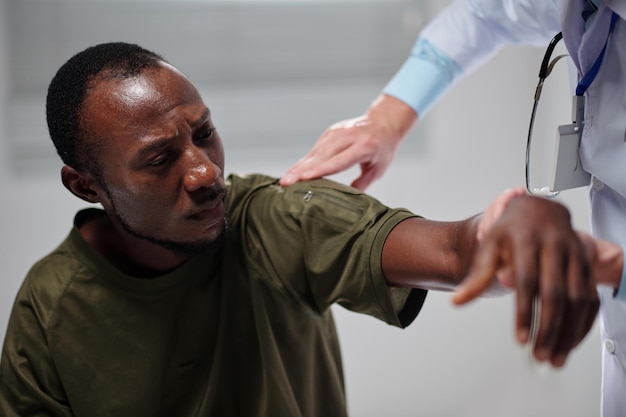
column 152, row 86
column 161, row 70
column 155, row 94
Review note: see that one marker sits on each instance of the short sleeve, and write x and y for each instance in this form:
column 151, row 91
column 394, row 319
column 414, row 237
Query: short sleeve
column 322, row 242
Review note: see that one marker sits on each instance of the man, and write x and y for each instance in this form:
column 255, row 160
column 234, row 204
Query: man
column 193, row 295
column 459, row 40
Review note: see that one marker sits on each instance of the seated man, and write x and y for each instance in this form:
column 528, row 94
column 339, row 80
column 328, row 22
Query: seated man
column 192, row 294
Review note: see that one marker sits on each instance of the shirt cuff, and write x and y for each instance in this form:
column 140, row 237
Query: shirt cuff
column 620, row 294
column 424, row 77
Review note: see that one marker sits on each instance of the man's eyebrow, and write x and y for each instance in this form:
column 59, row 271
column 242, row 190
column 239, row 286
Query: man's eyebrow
column 203, row 118
column 163, row 142
column 153, row 146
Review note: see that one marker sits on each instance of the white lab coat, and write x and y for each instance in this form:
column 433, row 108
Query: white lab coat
column 470, row 31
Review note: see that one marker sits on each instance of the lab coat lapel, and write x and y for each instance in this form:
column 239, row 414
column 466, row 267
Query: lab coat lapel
column 572, row 26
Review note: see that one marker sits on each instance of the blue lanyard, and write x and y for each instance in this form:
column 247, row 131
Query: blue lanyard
column 586, row 81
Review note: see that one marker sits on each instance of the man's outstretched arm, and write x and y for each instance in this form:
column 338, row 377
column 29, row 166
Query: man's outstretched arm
column 532, row 243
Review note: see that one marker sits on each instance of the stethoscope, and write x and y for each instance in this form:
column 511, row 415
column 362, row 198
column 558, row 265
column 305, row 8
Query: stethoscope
column 579, row 99
column 544, row 71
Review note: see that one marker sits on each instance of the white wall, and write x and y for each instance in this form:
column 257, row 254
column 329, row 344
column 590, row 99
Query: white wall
column 451, row 361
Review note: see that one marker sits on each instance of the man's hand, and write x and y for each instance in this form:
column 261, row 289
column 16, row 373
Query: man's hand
column 370, row 140
column 529, row 244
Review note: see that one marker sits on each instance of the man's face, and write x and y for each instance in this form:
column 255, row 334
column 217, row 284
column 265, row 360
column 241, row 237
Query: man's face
column 161, row 160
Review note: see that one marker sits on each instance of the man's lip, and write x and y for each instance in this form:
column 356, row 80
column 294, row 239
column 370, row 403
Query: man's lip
column 215, row 209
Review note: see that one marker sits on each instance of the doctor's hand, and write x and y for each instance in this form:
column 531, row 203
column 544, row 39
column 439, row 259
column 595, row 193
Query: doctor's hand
column 528, row 243
column 370, row 140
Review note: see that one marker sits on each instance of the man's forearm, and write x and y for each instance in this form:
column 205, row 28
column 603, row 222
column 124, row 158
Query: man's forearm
column 431, row 255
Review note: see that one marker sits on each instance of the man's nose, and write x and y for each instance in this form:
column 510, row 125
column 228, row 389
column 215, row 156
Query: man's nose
column 201, row 171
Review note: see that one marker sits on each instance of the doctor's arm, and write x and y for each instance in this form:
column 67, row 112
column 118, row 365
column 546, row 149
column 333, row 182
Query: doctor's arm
column 461, row 38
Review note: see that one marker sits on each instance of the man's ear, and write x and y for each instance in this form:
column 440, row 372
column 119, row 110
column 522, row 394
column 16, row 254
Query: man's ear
column 82, row 185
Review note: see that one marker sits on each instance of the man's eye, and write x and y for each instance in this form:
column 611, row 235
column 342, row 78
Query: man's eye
column 158, row 161
column 206, row 134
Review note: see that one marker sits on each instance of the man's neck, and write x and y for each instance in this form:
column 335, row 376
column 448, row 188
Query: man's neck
column 131, row 255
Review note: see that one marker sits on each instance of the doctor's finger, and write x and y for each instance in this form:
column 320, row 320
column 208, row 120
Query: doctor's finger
column 326, row 160
column 370, row 172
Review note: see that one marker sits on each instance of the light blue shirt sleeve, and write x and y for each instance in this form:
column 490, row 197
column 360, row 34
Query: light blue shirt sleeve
column 621, row 291
column 424, row 77
column 461, row 38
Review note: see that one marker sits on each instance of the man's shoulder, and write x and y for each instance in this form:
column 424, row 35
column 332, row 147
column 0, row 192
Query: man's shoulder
column 243, row 188
column 261, row 199
column 245, row 185
column 48, row 278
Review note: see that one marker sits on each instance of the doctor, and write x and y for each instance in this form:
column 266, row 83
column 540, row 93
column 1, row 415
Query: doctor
column 459, row 40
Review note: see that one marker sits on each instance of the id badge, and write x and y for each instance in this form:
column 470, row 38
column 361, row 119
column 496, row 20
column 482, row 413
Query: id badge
column 568, row 171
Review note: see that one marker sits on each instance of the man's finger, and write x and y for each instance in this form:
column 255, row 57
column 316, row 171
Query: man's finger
column 553, row 299
column 525, row 265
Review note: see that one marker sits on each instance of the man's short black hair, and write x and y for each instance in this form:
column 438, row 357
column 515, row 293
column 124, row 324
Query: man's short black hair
column 68, row 89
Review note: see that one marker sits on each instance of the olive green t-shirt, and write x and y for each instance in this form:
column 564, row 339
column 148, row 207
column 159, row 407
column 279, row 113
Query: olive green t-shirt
column 244, row 332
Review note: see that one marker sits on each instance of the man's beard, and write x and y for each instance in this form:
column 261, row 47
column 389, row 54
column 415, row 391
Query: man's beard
column 198, row 247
